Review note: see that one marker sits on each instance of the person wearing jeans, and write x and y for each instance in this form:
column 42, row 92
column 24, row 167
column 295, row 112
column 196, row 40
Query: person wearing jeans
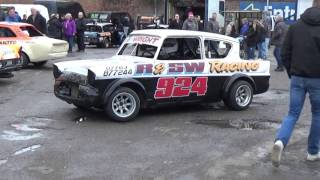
column 280, row 31
column 277, row 55
column 69, row 30
column 301, row 58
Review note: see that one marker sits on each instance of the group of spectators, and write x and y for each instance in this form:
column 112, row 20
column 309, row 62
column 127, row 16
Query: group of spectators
column 59, row 28
column 258, row 34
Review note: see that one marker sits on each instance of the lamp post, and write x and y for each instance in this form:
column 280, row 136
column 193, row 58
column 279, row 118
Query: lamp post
column 166, row 11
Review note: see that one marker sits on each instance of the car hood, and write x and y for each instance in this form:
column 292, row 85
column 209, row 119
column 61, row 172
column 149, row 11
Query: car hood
column 100, row 66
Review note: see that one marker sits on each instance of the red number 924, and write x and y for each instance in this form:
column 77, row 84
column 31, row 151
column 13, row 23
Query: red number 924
column 180, row 87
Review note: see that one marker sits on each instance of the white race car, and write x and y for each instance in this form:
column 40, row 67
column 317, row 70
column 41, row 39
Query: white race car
column 36, row 47
column 154, row 67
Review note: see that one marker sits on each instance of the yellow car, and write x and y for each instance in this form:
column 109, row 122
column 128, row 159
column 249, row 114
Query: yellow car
column 36, row 47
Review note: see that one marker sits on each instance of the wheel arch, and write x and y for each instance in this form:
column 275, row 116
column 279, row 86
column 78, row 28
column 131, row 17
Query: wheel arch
column 228, row 84
column 133, row 84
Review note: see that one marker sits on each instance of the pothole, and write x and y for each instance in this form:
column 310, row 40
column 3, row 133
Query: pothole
column 242, row 124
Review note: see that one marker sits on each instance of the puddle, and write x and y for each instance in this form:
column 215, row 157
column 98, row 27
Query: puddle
column 28, row 130
column 3, row 161
column 27, row 149
column 243, row 124
column 15, row 136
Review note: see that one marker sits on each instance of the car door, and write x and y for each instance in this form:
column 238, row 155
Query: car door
column 216, row 51
column 180, row 67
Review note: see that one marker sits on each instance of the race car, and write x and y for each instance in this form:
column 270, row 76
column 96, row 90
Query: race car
column 36, row 47
column 156, row 67
column 98, row 34
column 9, row 59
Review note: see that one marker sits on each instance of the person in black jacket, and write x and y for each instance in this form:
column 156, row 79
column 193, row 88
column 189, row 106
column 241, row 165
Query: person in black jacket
column 38, row 21
column 81, row 28
column 54, row 27
column 251, row 40
column 176, row 23
column 301, row 58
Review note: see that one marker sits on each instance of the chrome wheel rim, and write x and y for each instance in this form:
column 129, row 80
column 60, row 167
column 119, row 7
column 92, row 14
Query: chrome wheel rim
column 243, row 95
column 123, row 105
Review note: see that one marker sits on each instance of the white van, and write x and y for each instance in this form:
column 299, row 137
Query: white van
column 26, row 9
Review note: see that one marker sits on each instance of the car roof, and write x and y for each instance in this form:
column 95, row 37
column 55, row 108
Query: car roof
column 14, row 24
column 163, row 33
column 98, row 24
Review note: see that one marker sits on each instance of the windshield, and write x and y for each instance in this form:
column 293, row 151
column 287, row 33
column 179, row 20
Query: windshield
column 94, row 29
column 139, row 50
column 30, row 31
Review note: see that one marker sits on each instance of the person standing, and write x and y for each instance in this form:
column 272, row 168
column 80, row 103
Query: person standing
column 190, row 23
column 12, row 15
column 126, row 26
column 267, row 24
column 81, row 28
column 54, row 27
column 69, row 30
column 245, row 27
column 251, row 40
column 200, row 23
column 213, row 24
column 37, row 20
column 261, row 40
column 176, row 23
column 301, row 58
column 280, row 31
column 24, row 18
column 231, row 30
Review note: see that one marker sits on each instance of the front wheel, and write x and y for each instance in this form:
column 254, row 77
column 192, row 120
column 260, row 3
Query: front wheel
column 239, row 96
column 123, row 105
column 25, row 60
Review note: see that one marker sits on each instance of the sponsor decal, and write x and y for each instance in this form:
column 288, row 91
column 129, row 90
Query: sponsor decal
column 117, row 71
column 172, row 68
column 145, row 40
column 8, row 42
column 221, row 67
column 180, row 87
column 158, row 69
column 144, row 69
column 188, row 68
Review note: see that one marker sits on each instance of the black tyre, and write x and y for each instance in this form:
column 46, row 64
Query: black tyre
column 39, row 64
column 239, row 96
column 24, row 60
column 123, row 105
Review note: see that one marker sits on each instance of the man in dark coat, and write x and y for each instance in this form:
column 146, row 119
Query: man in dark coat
column 176, row 23
column 54, row 27
column 280, row 31
column 81, row 28
column 301, row 58
column 38, row 21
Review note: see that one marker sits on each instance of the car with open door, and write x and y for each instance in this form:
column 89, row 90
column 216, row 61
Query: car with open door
column 156, row 67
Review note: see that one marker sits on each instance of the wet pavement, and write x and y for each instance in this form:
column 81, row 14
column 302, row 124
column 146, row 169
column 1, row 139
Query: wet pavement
column 42, row 137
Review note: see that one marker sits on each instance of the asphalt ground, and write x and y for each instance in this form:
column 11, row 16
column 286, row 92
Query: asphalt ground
column 42, row 137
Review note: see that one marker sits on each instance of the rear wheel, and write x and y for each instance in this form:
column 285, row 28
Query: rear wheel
column 240, row 96
column 25, row 60
column 123, row 105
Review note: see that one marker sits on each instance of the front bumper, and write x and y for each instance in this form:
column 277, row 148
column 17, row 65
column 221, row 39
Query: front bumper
column 74, row 93
column 89, row 41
